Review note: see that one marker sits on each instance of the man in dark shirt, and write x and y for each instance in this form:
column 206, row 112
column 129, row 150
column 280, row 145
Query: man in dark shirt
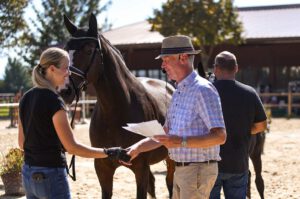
column 243, row 115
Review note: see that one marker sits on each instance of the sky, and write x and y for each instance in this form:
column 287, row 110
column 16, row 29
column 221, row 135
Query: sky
column 125, row 12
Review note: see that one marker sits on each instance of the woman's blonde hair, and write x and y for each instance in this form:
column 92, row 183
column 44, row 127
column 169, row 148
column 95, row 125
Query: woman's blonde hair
column 51, row 56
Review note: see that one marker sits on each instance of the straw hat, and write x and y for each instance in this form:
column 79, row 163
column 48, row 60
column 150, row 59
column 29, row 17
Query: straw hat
column 178, row 44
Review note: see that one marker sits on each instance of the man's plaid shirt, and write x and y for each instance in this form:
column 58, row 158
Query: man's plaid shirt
column 195, row 109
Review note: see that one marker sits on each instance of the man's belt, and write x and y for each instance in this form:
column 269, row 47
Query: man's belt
column 183, row 164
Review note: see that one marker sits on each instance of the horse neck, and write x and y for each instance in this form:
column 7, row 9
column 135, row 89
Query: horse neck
column 111, row 96
column 120, row 94
column 113, row 87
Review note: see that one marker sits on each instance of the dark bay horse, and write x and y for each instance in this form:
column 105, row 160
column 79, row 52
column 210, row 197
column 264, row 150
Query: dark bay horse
column 121, row 98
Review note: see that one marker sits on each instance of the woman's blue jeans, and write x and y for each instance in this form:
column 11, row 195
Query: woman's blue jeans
column 45, row 182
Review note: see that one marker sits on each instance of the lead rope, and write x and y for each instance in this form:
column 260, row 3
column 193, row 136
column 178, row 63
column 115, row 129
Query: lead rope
column 72, row 163
column 166, row 114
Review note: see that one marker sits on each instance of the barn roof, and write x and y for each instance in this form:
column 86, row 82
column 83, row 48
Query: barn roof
column 275, row 23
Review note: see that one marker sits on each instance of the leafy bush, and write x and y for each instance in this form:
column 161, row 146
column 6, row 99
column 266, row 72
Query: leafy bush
column 12, row 162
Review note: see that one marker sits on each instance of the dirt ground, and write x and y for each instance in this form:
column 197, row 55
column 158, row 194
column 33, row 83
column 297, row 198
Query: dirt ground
column 281, row 170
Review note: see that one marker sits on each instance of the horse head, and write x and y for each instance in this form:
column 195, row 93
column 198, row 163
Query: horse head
column 85, row 54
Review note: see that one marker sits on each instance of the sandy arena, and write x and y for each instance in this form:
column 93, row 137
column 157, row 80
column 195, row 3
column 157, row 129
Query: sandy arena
column 281, row 170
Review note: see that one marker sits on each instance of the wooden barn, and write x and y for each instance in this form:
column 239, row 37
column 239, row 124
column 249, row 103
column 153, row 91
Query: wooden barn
column 270, row 56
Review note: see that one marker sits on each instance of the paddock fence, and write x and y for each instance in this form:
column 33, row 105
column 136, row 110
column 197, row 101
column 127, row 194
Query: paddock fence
column 284, row 104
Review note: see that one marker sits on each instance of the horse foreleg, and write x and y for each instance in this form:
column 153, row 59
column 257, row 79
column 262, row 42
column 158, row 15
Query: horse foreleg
column 170, row 175
column 105, row 176
column 151, row 185
column 249, row 185
column 142, row 179
column 257, row 164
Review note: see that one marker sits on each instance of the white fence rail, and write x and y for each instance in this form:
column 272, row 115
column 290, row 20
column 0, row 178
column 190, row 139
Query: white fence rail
column 85, row 104
column 73, row 104
column 9, row 105
column 80, row 114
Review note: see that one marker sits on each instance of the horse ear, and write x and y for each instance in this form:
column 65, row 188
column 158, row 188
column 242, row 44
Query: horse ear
column 93, row 28
column 69, row 25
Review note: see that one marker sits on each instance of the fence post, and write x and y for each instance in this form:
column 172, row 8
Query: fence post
column 83, row 118
column 13, row 114
column 289, row 101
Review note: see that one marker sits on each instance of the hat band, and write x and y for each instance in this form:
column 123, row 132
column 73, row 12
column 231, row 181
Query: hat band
column 165, row 51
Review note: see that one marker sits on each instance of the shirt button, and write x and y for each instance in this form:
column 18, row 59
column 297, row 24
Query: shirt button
column 178, row 92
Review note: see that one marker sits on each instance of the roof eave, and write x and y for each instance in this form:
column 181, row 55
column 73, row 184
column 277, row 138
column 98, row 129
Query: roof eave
column 274, row 40
column 140, row 45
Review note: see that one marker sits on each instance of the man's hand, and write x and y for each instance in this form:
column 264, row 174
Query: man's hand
column 132, row 152
column 143, row 145
column 117, row 153
column 169, row 141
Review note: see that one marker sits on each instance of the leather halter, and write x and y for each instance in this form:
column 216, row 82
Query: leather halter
column 83, row 74
column 79, row 73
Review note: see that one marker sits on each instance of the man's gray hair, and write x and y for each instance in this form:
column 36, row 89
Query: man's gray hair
column 226, row 61
column 191, row 59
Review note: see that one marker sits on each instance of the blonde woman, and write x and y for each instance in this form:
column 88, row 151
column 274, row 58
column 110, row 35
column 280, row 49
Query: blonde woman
column 44, row 129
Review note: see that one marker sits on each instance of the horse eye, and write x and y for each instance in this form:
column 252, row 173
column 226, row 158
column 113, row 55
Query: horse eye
column 89, row 51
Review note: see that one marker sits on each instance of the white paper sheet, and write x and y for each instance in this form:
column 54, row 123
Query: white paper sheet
column 148, row 129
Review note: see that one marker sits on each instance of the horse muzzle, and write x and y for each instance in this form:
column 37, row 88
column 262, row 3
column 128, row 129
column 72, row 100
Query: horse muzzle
column 68, row 94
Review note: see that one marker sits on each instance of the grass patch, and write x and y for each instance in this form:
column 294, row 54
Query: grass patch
column 4, row 111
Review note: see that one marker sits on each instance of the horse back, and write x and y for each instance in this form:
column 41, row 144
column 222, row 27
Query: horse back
column 160, row 90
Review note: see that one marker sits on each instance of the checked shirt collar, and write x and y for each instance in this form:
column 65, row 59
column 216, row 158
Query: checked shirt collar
column 181, row 86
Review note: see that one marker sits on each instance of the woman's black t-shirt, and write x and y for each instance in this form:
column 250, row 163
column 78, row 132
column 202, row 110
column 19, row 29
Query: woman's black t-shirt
column 42, row 146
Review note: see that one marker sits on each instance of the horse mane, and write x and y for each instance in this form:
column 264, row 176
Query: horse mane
column 128, row 82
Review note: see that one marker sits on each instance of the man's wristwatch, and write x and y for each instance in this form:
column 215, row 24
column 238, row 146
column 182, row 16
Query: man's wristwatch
column 184, row 141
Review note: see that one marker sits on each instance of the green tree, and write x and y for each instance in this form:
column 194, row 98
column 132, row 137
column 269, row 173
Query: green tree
column 48, row 26
column 2, row 90
column 208, row 22
column 16, row 76
column 11, row 21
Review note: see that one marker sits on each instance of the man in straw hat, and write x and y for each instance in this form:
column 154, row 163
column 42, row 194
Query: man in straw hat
column 194, row 123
